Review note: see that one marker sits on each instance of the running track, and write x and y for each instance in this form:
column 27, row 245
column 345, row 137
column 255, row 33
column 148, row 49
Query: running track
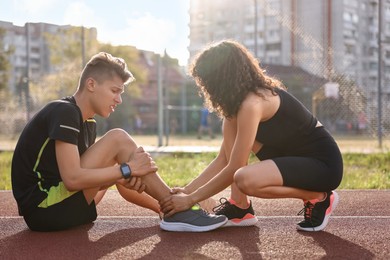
column 359, row 229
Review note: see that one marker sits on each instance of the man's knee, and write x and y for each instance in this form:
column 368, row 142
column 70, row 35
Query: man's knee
column 117, row 140
column 119, row 135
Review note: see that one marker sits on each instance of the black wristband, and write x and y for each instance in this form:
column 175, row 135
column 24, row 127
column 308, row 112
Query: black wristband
column 126, row 171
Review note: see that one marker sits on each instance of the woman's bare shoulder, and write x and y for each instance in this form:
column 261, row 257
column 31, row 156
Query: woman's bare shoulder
column 266, row 105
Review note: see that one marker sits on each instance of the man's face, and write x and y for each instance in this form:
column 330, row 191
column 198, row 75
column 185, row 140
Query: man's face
column 107, row 96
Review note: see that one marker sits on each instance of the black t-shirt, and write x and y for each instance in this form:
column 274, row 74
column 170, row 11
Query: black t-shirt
column 34, row 165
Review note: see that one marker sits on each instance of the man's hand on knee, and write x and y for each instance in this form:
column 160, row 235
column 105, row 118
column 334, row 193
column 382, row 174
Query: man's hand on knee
column 141, row 163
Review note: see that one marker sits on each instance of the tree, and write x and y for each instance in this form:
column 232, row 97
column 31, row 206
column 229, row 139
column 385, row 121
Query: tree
column 66, row 45
column 4, row 61
column 131, row 56
column 124, row 113
column 66, row 58
column 9, row 113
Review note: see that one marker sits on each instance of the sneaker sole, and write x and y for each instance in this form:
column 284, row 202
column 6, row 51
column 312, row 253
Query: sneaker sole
column 248, row 220
column 184, row 227
column 327, row 216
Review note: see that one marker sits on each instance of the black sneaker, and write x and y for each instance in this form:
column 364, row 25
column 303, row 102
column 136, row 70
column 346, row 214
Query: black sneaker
column 317, row 213
column 237, row 217
column 192, row 220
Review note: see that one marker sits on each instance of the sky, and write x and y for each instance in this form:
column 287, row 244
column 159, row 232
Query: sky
column 153, row 25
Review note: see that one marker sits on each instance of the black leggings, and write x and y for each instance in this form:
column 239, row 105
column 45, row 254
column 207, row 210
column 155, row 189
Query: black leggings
column 315, row 166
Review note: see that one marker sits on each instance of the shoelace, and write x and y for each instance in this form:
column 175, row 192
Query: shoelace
column 221, row 207
column 197, row 207
column 307, row 211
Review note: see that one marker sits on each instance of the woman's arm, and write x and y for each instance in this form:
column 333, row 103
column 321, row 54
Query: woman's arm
column 211, row 170
column 239, row 134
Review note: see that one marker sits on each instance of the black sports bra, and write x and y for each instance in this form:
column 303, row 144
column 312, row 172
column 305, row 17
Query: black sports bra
column 291, row 122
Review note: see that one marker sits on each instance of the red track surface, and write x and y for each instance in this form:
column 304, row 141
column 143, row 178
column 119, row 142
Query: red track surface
column 359, row 229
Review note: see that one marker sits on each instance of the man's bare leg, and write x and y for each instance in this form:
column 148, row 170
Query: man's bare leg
column 140, row 199
column 117, row 146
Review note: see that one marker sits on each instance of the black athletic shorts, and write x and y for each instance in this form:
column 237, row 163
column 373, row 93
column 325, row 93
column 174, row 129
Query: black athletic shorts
column 71, row 212
column 314, row 165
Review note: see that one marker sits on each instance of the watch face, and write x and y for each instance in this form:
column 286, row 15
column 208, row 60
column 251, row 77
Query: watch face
column 125, row 171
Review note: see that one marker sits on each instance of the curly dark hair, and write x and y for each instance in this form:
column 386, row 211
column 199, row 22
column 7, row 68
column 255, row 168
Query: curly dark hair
column 225, row 73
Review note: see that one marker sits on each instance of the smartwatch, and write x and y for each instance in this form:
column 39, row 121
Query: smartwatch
column 126, row 171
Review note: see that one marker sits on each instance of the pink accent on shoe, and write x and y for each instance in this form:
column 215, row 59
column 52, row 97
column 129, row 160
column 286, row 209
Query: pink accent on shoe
column 334, row 199
column 231, row 201
column 247, row 220
column 238, row 220
column 314, row 201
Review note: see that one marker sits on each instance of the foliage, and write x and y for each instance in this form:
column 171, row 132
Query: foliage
column 366, row 171
column 66, row 46
column 178, row 169
column 66, row 58
column 12, row 116
column 131, row 56
column 361, row 171
column 12, row 113
column 5, row 51
column 5, row 170
column 123, row 113
column 55, row 85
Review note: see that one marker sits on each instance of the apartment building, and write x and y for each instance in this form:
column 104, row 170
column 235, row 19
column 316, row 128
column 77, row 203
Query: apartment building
column 146, row 105
column 324, row 37
column 31, row 54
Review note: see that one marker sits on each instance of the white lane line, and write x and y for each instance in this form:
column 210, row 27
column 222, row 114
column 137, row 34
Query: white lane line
column 340, row 217
column 259, row 217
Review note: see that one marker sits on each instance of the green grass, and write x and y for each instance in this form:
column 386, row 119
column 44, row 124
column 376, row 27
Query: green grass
column 5, row 170
column 366, row 171
column 361, row 171
column 180, row 168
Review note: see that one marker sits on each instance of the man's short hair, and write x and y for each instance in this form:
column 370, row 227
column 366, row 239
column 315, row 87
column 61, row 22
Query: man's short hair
column 103, row 66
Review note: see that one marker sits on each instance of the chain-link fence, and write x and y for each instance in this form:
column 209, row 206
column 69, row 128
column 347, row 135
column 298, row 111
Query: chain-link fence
column 341, row 69
column 334, row 71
